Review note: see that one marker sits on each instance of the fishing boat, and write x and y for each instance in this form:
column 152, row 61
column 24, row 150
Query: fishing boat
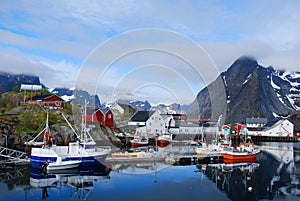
column 240, row 153
column 164, row 139
column 245, row 151
column 139, row 140
column 83, row 150
column 62, row 165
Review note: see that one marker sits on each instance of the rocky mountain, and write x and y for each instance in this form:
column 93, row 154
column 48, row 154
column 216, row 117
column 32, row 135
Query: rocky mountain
column 248, row 89
column 8, row 81
column 173, row 108
column 141, row 105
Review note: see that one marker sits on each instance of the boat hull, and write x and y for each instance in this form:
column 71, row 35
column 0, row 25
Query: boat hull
column 63, row 165
column 163, row 143
column 239, row 156
column 40, row 156
column 39, row 161
column 138, row 144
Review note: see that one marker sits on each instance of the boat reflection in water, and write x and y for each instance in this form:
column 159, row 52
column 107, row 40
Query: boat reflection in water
column 80, row 179
column 236, row 179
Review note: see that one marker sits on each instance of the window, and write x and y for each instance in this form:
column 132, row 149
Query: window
column 109, row 116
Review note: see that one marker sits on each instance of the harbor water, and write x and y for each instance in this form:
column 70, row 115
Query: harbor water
column 275, row 175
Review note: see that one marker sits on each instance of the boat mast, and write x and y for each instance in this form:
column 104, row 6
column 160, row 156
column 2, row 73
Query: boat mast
column 78, row 137
column 83, row 122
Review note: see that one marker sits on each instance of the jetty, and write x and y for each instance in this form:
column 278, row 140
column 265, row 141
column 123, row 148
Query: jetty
column 14, row 157
column 172, row 159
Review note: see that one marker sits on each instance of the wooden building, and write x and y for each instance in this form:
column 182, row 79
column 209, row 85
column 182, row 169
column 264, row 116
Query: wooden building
column 50, row 101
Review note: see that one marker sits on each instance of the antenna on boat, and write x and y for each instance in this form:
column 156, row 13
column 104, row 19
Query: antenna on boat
column 65, row 118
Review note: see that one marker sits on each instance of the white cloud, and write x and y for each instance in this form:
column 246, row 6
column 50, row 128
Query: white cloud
column 52, row 74
column 52, row 38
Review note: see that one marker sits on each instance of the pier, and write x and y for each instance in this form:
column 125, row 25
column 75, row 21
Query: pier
column 177, row 160
column 14, row 157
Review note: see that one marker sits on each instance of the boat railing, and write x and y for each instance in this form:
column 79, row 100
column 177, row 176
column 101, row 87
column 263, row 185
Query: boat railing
column 103, row 148
column 60, row 150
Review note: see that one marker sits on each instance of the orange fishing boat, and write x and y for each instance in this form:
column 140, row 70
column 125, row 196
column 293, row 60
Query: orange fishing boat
column 243, row 152
column 164, row 140
column 139, row 140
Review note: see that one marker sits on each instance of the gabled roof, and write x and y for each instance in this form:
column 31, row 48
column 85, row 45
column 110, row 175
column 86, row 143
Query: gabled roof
column 124, row 106
column 42, row 97
column 104, row 110
column 256, row 120
column 142, row 116
column 276, row 122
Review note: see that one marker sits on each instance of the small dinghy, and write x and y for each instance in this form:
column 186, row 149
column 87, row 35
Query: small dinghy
column 62, row 165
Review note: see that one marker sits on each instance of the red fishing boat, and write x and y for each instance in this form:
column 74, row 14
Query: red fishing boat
column 139, row 140
column 245, row 151
column 164, row 140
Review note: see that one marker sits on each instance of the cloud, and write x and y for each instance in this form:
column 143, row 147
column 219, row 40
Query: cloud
column 53, row 38
column 125, row 55
column 52, row 74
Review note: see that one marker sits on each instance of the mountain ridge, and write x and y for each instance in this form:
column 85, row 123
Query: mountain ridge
column 249, row 92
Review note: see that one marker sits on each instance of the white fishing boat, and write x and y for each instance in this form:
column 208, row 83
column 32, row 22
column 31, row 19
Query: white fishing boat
column 83, row 150
column 62, row 165
column 164, row 140
column 139, row 140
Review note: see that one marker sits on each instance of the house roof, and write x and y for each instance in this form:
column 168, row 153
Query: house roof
column 42, row 97
column 276, row 122
column 124, row 106
column 256, row 120
column 142, row 116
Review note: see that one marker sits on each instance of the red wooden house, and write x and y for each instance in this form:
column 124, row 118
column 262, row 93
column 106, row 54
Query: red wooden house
column 101, row 117
column 51, row 101
column 109, row 118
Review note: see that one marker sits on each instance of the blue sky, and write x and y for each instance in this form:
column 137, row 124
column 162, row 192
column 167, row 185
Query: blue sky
column 56, row 39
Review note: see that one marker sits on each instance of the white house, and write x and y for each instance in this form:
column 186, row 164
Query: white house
column 150, row 122
column 282, row 128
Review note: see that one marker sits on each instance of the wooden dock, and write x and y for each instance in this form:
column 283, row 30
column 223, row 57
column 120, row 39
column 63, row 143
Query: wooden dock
column 178, row 160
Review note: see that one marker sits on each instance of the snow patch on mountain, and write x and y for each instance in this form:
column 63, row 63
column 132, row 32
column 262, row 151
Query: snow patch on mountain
column 274, row 85
column 247, row 79
column 67, row 98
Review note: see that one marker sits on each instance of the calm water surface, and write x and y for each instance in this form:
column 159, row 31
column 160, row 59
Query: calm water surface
column 274, row 176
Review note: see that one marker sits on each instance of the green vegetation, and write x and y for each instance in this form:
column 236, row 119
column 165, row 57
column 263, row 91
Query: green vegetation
column 33, row 118
column 28, row 118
